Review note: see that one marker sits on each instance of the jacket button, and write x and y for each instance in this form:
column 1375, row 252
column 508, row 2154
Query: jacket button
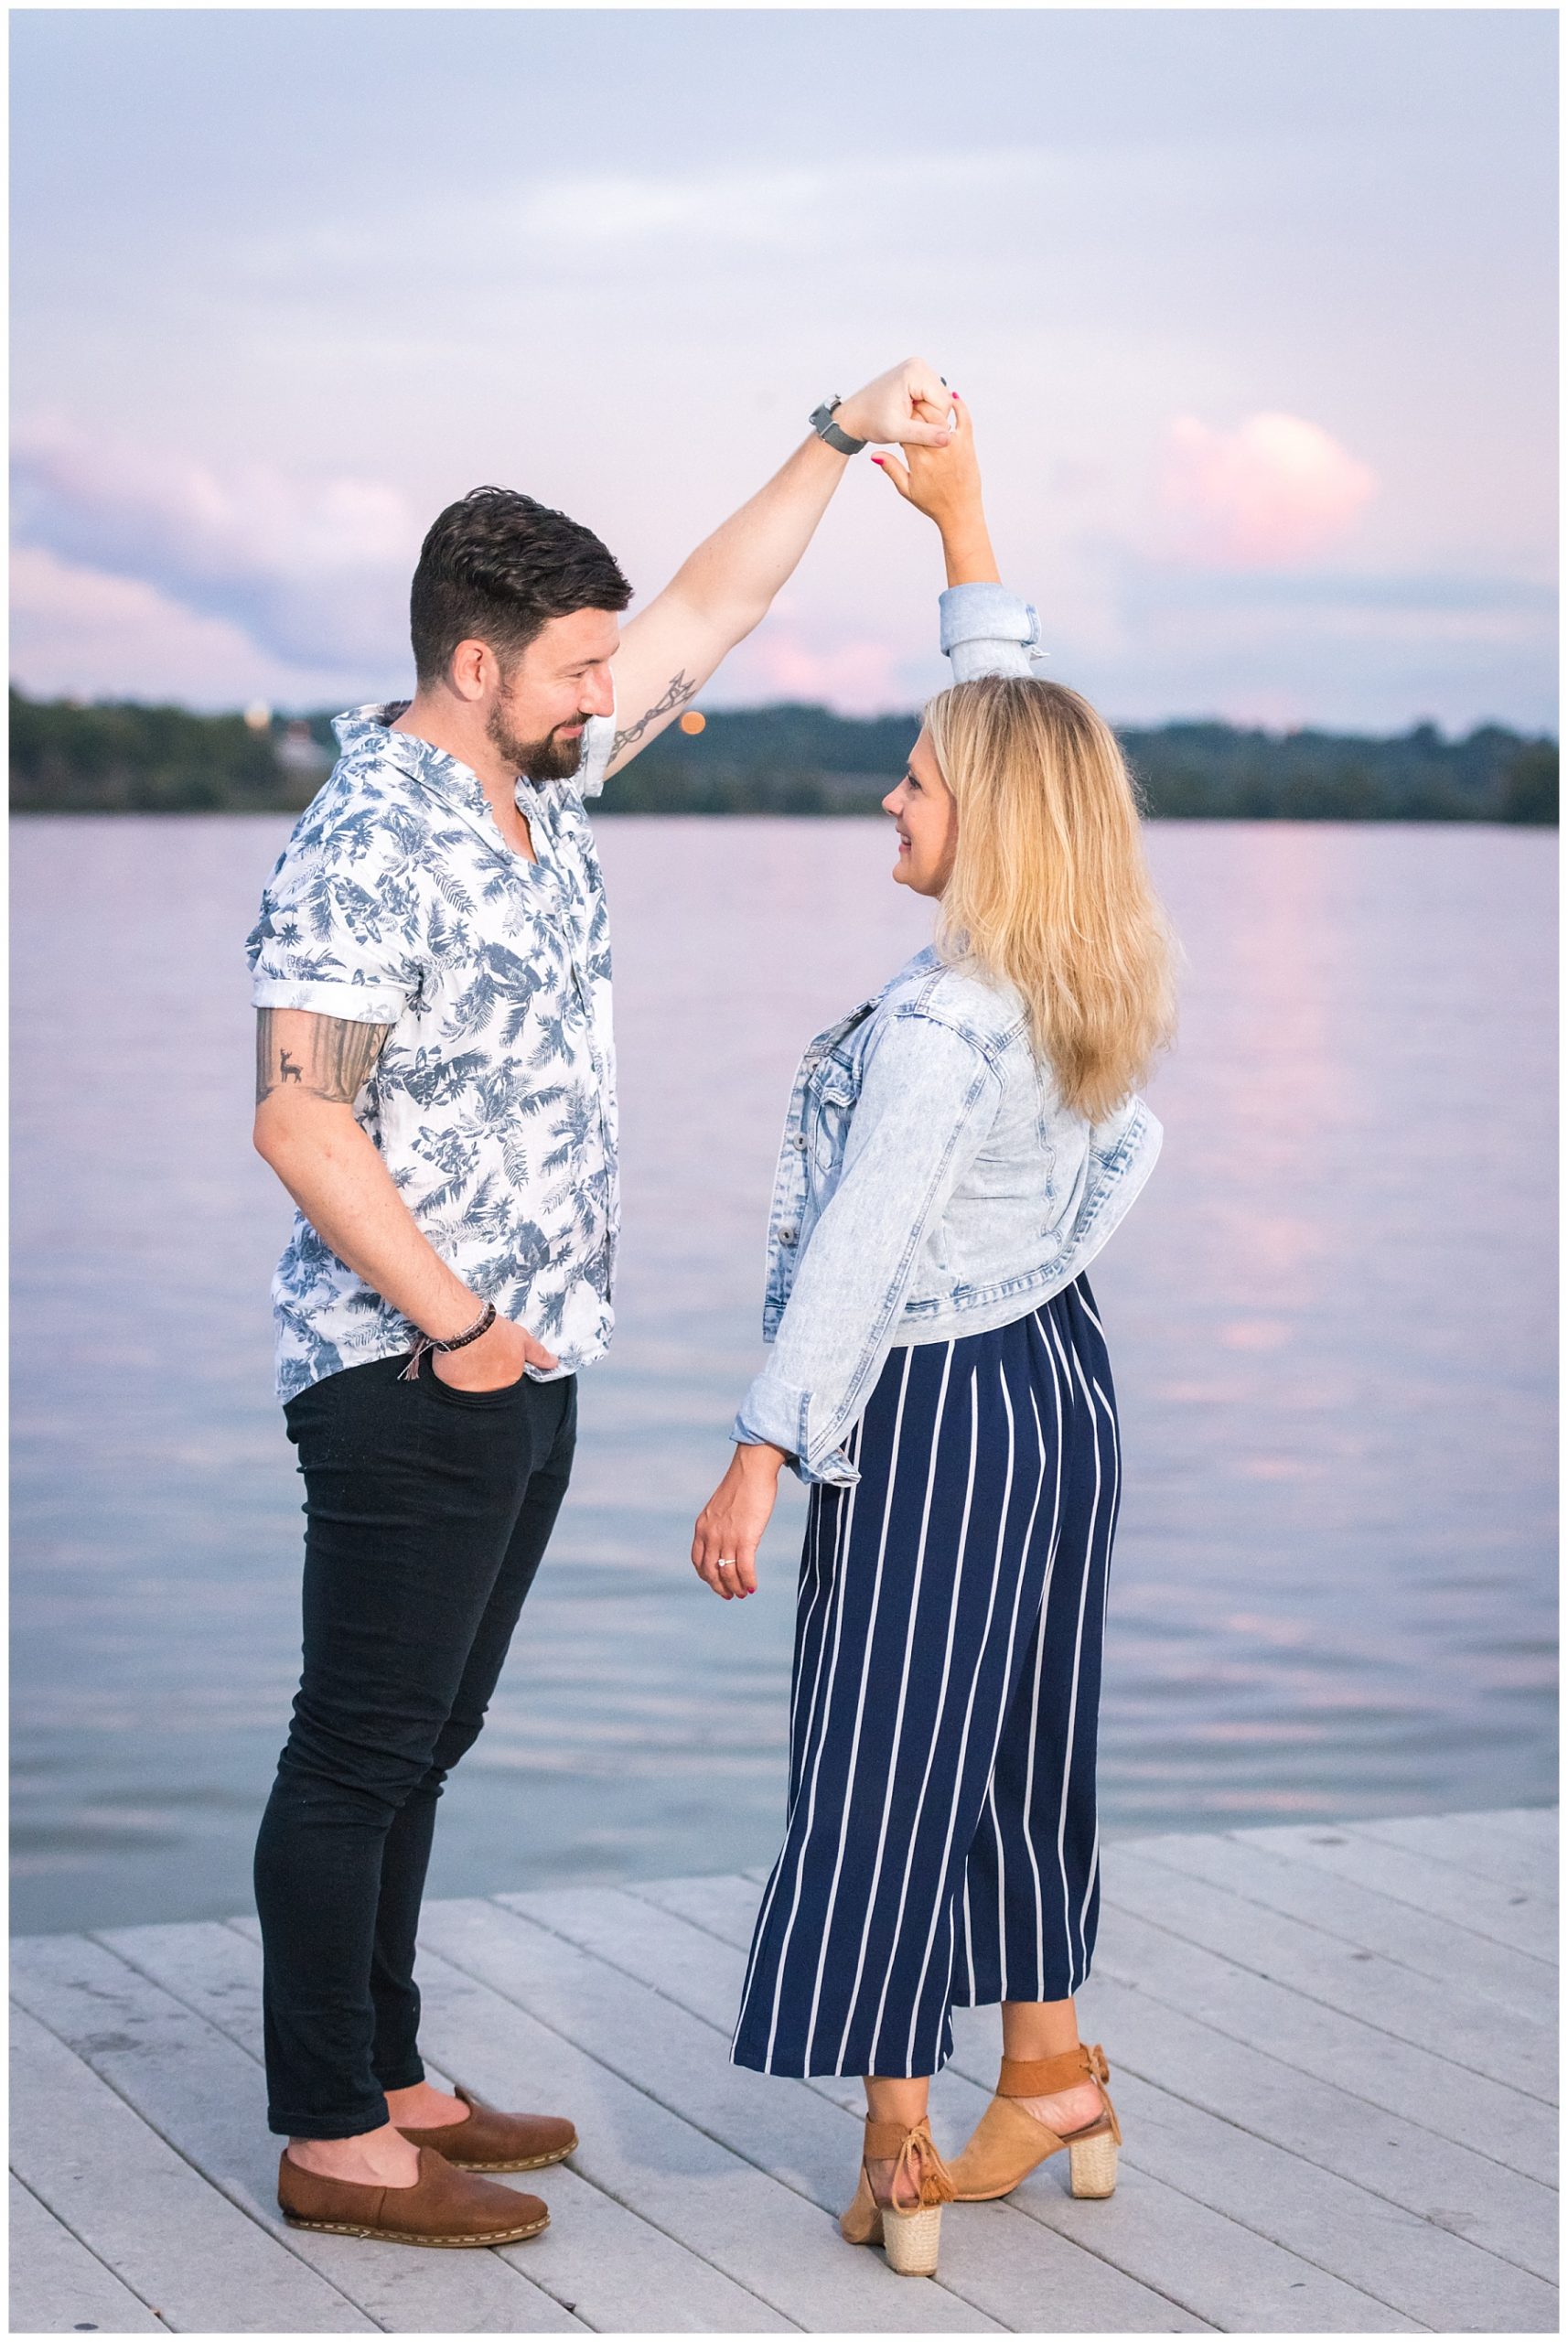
column 787, row 1235
column 798, row 1142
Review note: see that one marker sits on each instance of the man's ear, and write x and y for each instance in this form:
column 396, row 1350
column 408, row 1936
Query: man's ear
column 472, row 670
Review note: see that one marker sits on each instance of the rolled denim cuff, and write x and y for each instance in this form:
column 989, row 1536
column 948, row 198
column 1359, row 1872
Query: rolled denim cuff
column 772, row 1411
column 986, row 630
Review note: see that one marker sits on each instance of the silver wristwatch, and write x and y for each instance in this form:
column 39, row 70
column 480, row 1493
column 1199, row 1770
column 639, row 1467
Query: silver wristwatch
column 824, row 427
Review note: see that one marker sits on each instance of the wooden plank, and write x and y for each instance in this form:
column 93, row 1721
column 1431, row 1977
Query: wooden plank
column 1461, row 2026
column 57, row 2286
column 203, row 1963
column 1473, row 1843
column 1536, row 1822
column 1492, row 1913
column 1361, row 1916
column 1389, row 2250
column 1001, row 2265
column 204, row 2095
column 1178, row 2243
column 597, row 2259
column 138, row 2207
column 723, row 1906
column 1369, row 2064
column 660, row 2148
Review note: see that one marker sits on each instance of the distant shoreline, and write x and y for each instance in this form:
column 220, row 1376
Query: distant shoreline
column 791, row 759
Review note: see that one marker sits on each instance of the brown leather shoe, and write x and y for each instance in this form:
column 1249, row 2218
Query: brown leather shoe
column 490, row 2141
column 443, row 2207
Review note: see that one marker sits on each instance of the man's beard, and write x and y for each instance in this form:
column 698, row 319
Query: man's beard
column 551, row 758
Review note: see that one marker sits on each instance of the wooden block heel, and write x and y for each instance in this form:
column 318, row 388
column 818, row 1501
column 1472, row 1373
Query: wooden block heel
column 1093, row 2166
column 911, row 2240
column 909, row 2237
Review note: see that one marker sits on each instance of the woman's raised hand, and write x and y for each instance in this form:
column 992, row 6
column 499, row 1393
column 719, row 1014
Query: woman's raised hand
column 941, row 482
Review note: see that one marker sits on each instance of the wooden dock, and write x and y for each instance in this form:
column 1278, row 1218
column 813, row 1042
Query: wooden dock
column 1332, row 2050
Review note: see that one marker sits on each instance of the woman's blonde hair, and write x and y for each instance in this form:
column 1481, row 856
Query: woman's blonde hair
column 1050, row 889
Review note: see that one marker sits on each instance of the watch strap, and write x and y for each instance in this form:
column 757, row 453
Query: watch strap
column 824, row 427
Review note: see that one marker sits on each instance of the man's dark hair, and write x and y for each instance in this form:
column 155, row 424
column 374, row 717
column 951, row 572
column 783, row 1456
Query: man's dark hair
column 497, row 567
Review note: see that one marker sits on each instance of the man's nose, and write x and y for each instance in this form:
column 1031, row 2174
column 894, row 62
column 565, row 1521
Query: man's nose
column 599, row 699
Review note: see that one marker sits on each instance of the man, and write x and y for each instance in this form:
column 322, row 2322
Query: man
column 435, row 1088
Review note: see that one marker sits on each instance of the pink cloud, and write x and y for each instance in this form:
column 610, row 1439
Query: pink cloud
column 1275, row 489
column 859, row 677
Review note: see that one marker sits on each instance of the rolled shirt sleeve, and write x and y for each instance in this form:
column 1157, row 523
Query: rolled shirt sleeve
column 598, row 745
column 341, row 930
column 986, row 630
column 927, row 1099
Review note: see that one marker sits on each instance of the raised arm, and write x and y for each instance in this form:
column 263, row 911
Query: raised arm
column 726, row 587
column 985, row 629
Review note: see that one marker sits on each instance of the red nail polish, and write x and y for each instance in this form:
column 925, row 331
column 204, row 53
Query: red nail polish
column 877, row 459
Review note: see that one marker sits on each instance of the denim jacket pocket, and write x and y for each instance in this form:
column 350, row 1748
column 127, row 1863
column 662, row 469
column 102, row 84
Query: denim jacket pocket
column 831, row 1093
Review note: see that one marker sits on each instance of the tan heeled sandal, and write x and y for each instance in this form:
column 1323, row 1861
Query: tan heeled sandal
column 1009, row 2143
column 910, row 2239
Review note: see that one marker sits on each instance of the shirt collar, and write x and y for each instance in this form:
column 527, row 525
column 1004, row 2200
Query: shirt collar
column 369, row 728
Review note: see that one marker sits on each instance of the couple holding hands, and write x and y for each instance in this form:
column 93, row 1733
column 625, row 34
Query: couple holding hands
column 436, row 1090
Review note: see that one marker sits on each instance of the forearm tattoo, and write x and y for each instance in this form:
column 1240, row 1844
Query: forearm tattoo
column 324, row 1056
column 678, row 690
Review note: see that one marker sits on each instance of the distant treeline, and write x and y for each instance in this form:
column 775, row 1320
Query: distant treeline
column 124, row 757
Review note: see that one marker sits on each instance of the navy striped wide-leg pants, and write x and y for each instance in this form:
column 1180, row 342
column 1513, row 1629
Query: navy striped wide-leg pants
column 942, row 1846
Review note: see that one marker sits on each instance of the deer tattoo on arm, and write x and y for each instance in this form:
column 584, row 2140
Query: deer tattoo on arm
column 335, row 1055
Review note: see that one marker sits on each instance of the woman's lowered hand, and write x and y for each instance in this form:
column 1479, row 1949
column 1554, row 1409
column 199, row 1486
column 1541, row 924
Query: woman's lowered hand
column 730, row 1525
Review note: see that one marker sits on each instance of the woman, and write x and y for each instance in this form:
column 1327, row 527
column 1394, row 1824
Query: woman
column 957, row 1150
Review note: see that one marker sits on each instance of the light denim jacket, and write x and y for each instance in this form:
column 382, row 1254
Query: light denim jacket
column 932, row 1184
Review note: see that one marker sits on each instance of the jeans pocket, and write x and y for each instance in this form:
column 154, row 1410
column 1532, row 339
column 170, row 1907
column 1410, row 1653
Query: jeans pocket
column 448, row 1394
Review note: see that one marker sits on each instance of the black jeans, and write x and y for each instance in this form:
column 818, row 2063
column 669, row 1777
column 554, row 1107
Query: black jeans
column 427, row 1511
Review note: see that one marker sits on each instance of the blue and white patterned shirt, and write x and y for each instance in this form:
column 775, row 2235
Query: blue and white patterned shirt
column 397, row 902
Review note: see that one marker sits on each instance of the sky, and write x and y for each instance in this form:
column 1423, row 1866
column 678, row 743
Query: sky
column 1254, row 312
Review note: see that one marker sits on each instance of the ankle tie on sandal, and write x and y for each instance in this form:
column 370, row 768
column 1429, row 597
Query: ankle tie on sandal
column 914, row 2157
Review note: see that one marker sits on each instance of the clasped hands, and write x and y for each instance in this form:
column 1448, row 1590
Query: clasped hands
column 910, row 406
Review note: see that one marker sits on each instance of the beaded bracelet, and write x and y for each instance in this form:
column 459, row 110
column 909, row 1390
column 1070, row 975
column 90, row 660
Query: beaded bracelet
column 481, row 1325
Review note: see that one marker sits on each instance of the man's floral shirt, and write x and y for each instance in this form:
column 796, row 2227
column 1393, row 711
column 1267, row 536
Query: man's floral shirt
column 397, row 902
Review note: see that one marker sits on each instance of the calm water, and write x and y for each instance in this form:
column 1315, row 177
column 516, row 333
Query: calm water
column 1331, row 1317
